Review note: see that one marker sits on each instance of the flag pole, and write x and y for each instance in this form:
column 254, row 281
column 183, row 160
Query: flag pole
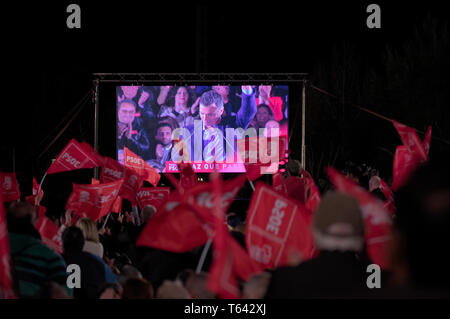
column 39, row 190
column 106, row 220
column 203, row 256
column 251, row 184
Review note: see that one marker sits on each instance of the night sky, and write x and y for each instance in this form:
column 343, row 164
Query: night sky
column 49, row 67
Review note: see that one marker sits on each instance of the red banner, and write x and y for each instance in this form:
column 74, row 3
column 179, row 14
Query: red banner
column 188, row 178
column 51, row 234
column 412, row 153
column 278, row 183
column 377, row 221
column 202, row 200
column 73, row 156
column 153, row 196
column 10, row 187
column 136, row 163
column 230, row 261
column 117, row 205
column 277, row 227
column 111, row 170
column 312, row 193
column 174, row 227
column 404, row 165
column 95, row 201
column 131, row 185
column 6, row 282
column 92, row 153
column 33, row 199
column 389, row 204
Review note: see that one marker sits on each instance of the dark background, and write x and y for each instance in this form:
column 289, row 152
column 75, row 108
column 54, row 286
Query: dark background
column 400, row 71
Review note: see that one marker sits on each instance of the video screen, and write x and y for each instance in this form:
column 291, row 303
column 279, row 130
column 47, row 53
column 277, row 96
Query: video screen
column 203, row 125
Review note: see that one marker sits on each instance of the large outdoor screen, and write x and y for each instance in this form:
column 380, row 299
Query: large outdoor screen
column 212, row 127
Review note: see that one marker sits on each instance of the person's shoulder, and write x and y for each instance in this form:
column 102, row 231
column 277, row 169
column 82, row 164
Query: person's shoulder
column 45, row 252
column 165, row 110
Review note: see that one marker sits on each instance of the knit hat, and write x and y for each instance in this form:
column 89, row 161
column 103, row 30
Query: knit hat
column 338, row 223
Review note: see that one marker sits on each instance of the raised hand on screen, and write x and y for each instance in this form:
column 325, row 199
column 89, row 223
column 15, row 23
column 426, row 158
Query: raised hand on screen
column 144, row 96
column 247, row 89
column 194, row 106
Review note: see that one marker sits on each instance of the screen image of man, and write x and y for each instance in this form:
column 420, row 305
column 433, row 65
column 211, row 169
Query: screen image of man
column 163, row 148
column 129, row 133
column 207, row 137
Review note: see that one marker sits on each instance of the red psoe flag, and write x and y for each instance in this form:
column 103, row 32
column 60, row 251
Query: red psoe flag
column 111, row 170
column 33, row 199
column 389, row 204
column 93, row 153
column 131, row 185
column 411, row 154
column 201, row 197
column 10, row 187
column 277, row 226
column 312, row 193
column 175, row 228
column 405, row 163
column 231, row 261
column 117, row 205
column 377, row 221
column 6, row 282
column 95, row 201
column 136, row 163
column 412, row 141
column 51, row 234
column 153, row 196
column 72, row 157
column 278, row 183
column 188, row 178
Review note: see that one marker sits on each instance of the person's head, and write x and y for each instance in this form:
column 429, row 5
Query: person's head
column 147, row 212
column 223, row 90
column 294, row 167
column 52, row 290
column 110, row 291
column 263, row 114
column 89, row 229
column 22, row 212
column 164, row 134
column 338, row 224
column 256, row 286
column 73, row 240
column 172, row 290
column 128, row 272
column 265, row 90
column 422, row 225
column 127, row 110
column 137, row 288
column 196, row 285
column 130, row 91
column 181, row 96
column 211, row 108
column 272, row 129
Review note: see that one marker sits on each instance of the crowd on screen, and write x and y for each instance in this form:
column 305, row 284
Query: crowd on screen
column 148, row 115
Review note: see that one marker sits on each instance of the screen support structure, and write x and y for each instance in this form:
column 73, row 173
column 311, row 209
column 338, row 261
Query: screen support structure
column 96, row 113
column 185, row 78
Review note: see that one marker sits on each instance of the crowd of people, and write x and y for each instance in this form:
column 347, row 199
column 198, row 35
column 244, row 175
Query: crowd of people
column 148, row 115
column 113, row 267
